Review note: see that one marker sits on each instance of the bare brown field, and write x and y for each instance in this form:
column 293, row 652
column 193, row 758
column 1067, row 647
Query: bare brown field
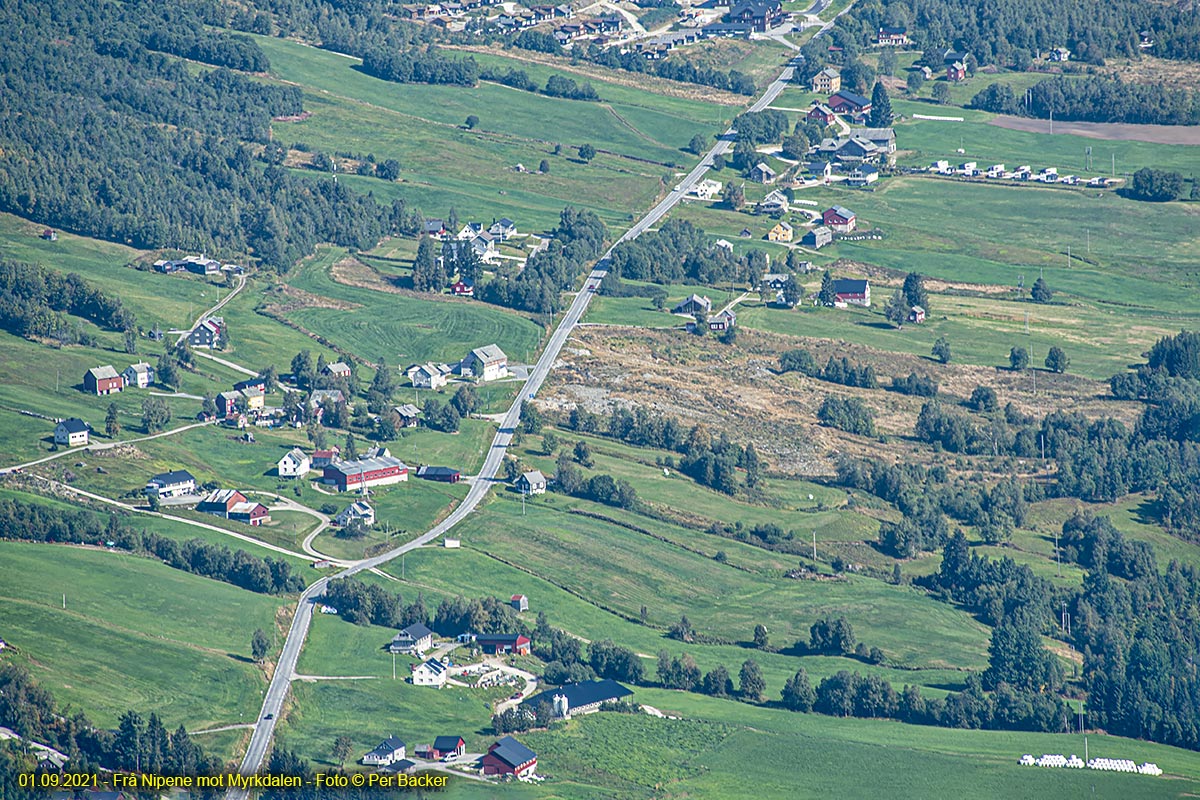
column 1109, row 131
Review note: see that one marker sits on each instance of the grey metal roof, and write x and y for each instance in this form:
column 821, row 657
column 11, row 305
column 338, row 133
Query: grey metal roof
column 582, row 694
column 512, row 752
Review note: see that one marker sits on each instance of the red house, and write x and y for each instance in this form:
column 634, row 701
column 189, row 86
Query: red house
column 503, row 643
column 509, row 757
column 956, row 72
column 250, row 513
column 840, row 219
column 103, row 380
column 821, row 114
column 447, row 746
column 462, row 289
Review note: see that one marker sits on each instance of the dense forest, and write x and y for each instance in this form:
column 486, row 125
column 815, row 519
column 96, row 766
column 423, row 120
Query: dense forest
column 1012, row 32
column 36, row 302
column 152, row 155
column 1091, row 99
column 40, row 523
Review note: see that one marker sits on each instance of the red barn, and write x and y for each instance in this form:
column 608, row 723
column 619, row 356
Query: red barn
column 845, row 102
column 821, row 114
column 377, row 471
column 463, row 289
column 840, row 219
column 250, row 513
column 103, row 380
column 509, row 757
column 503, row 643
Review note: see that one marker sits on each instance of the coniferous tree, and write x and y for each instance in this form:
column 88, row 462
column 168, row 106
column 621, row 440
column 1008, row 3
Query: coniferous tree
column 881, row 107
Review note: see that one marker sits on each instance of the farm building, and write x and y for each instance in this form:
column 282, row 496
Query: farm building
column 251, row 513
column 50, row 235
column 850, row 291
column 338, row 369
column 440, row 474
column 533, row 482
column 827, row 81
column 916, row 315
column 862, row 175
column 956, row 72
column 579, row 698
column 818, row 237
column 170, row 484
column 1060, row 54
column 430, row 673
column 428, row 376
column 366, row 472
column 359, row 510
column 413, row 640
column 323, row 458
column 509, row 757
column 72, row 432
column 139, row 375
column 387, row 752
column 883, row 138
column 845, row 102
column 461, row 288
column 486, row 363
column 102, row 380
column 821, row 114
column 402, row 767
column 294, row 464
column 840, row 219
column 229, row 403
column 519, row 602
column 500, row 644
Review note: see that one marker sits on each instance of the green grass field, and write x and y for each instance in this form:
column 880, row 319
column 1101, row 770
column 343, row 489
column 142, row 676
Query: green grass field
column 135, row 634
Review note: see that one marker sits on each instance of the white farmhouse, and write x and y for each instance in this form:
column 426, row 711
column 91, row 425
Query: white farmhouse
column 294, row 464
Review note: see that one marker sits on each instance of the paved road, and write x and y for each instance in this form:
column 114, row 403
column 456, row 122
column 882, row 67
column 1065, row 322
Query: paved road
column 92, row 448
column 220, row 304
column 286, row 667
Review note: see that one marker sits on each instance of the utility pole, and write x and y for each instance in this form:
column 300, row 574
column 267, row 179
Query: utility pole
column 814, row 545
column 393, row 666
column 1057, row 560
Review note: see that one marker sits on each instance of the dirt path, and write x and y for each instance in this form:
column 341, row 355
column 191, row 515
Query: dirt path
column 1111, row 131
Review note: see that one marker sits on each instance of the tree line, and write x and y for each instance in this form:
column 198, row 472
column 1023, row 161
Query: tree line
column 35, row 302
column 1095, row 99
column 34, row 522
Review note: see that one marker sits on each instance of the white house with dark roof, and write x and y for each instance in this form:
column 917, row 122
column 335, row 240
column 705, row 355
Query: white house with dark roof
column 487, row 363
column 413, row 640
column 360, row 511
column 294, row 464
column 430, row 673
column 170, row 484
column 503, row 229
column 72, row 432
column 389, row 751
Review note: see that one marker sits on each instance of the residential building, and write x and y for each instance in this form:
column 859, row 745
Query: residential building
column 827, row 81
column 209, row 333
column 774, row 203
column 533, row 482
column 862, row 175
column 890, row 36
column 366, row 472
column 139, row 375
column 574, row 699
column 102, row 380
column 725, row 245
column 430, row 673
column 461, row 288
column 294, row 464
column 707, row 189
column 338, row 369
column 762, row 173
column 359, row 510
column 320, row 397
column 435, row 228
column 503, row 229
column 519, row 602
column 950, row 56
column 782, row 232
column 413, row 640
column 846, row 102
column 818, row 237
column 402, row 767
column 72, row 432
column 50, row 235
column 469, row 231
column 840, row 219
column 251, row 383
column 693, row 305
column 486, row 363
column 916, row 315
column 1060, row 54
column 389, row 751
column 956, row 72
column 251, row 513
column 509, row 757
column 229, row 403
column 759, row 15
column 723, row 321
column 440, row 474
column 500, row 644
column 170, row 484
column 254, row 397
column 428, row 376
column 821, row 114
column 774, row 281
column 323, row 458
column 408, row 414
column 448, row 746
column 852, row 292
column 884, row 139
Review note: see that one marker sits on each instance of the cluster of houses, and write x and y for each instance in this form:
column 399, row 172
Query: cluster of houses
column 700, row 307
column 480, row 238
column 106, row 380
column 197, row 265
column 485, row 364
column 745, row 17
column 506, row 756
column 232, row 504
column 971, row 169
column 837, row 219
